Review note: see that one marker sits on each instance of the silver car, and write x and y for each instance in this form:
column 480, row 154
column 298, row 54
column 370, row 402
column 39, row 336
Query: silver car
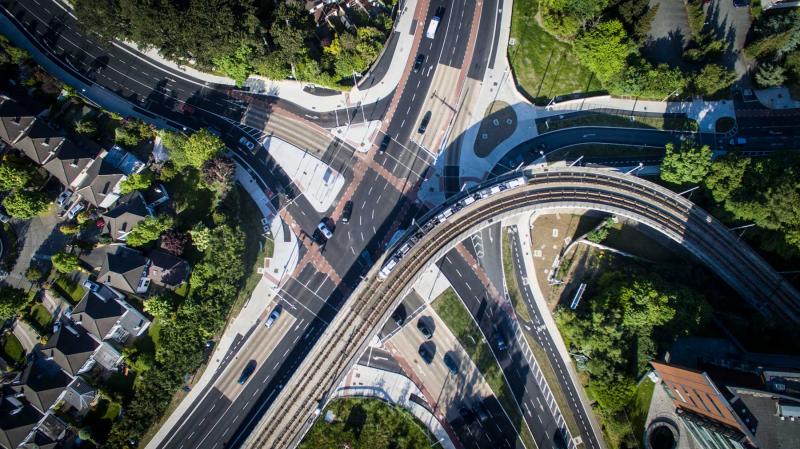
column 323, row 228
column 276, row 312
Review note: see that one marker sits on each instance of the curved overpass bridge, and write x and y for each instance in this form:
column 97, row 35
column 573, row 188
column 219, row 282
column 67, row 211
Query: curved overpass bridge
column 301, row 400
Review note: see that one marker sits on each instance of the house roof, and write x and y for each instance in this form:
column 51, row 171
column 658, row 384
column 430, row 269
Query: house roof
column 100, row 181
column 130, row 210
column 13, row 119
column 69, row 162
column 42, row 382
column 40, row 142
column 39, row 440
column 122, row 268
column 70, row 347
column 15, row 427
column 167, row 270
column 80, row 394
column 97, row 315
column 52, row 427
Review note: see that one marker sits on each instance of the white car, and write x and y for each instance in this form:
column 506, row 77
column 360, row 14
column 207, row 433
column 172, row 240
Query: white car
column 323, row 228
column 74, row 210
column 63, row 198
column 92, row 286
column 247, row 143
column 276, row 313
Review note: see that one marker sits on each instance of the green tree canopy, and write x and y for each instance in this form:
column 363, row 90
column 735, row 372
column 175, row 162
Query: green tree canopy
column 689, row 165
column 24, row 204
column 136, row 181
column 87, row 127
column 770, row 75
column 149, row 230
column 712, row 79
column 11, row 301
column 604, row 49
column 15, row 174
column 65, row 262
column 160, row 306
column 197, row 149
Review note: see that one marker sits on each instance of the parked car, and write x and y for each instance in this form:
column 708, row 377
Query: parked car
column 500, row 341
column 399, row 315
column 741, row 3
column 423, row 125
column 425, row 354
column 418, row 62
column 276, row 313
column 424, row 329
column 323, row 228
column 347, row 212
column 75, row 210
column 247, row 143
column 451, row 363
column 384, row 143
column 63, row 198
column 91, row 286
column 247, row 371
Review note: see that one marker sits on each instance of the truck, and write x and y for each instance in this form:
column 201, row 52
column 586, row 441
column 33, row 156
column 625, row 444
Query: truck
column 431, row 32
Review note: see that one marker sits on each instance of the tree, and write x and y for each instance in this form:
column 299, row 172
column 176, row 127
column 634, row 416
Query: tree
column 604, row 49
column 565, row 18
column 69, row 229
column 160, row 306
column 132, row 132
column 725, row 176
column 87, row 127
column 136, row 181
column 15, row 174
column 712, row 79
column 641, row 79
column 149, row 230
column 235, row 65
column 174, row 242
column 770, row 75
column 65, row 262
column 33, row 274
column 197, row 149
column 218, row 173
column 25, row 204
column 11, row 301
column 689, row 165
column 201, row 237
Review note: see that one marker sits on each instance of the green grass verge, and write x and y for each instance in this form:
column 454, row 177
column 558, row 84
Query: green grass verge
column 269, row 247
column 362, row 423
column 41, row 315
column 511, row 280
column 71, row 291
column 616, row 120
column 640, row 405
column 12, row 349
column 458, row 319
column 543, row 66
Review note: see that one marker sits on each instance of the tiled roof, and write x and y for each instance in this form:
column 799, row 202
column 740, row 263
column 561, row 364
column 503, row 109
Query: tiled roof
column 14, row 119
column 167, row 270
column 130, row 210
column 41, row 142
column 100, row 181
column 69, row 162
column 42, row 382
column 97, row 315
column 70, row 348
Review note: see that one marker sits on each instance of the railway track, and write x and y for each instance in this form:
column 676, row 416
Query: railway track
column 300, row 402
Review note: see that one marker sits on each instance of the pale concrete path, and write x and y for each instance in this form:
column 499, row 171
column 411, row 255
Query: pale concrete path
column 364, row 381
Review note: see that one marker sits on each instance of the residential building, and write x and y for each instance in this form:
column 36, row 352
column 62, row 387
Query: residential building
column 48, row 432
column 41, row 383
column 41, row 142
column 101, row 186
column 122, row 268
column 71, row 164
column 17, row 419
column 71, row 348
column 127, row 213
column 109, row 317
column 14, row 120
column 79, row 397
column 775, row 4
column 167, row 271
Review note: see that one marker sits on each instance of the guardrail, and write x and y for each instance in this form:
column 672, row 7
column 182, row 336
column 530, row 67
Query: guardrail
column 301, row 400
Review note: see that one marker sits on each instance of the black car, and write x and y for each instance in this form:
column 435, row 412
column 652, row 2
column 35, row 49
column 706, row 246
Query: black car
column 466, row 413
column 418, row 62
column 424, row 123
column 500, row 341
column 384, row 143
column 247, row 371
column 347, row 212
column 425, row 354
column 480, row 411
column 424, row 329
column 451, row 363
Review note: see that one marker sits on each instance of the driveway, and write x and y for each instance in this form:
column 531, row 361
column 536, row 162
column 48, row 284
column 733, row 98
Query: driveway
column 730, row 24
column 669, row 33
column 38, row 240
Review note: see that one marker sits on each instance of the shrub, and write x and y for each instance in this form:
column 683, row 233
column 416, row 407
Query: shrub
column 25, row 204
column 65, row 262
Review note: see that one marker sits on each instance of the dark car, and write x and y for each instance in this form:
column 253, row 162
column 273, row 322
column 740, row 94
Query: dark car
column 466, row 413
column 423, row 125
column 384, row 143
column 741, row 3
column 483, row 415
column 247, row 371
column 347, row 211
column 424, row 329
column 425, row 354
column 418, row 62
column 500, row 341
column 451, row 363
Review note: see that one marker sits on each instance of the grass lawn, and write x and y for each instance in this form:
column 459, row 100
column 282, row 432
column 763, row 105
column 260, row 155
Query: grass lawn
column 250, row 222
column 269, row 247
column 12, row 349
column 41, row 316
column 101, row 417
column 363, row 423
column 71, row 291
column 640, row 405
column 543, row 66
column 616, row 120
column 458, row 319
column 511, row 280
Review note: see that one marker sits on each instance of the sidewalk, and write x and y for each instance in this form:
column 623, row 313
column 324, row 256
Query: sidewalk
column 317, row 180
column 776, row 98
column 396, row 389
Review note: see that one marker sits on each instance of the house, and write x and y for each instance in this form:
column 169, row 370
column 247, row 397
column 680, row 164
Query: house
column 41, row 142
column 101, row 187
column 775, row 4
column 72, row 349
column 121, row 268
column 156, row 195
column 128, row 212
column 14, row 120
column 167, row 271
column 42, row 383
column 71, row 164
column 48, row 432
column 108, row 317
column 17, row 419
column 79, row 397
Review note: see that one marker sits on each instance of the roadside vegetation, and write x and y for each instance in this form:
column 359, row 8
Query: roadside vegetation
column 237, row 38
column 627, row 120
column 458, row 319
column 366, row 423
column 774, row 46
column 510, row 276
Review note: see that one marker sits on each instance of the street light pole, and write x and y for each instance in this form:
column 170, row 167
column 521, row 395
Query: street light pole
column 638, row 167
